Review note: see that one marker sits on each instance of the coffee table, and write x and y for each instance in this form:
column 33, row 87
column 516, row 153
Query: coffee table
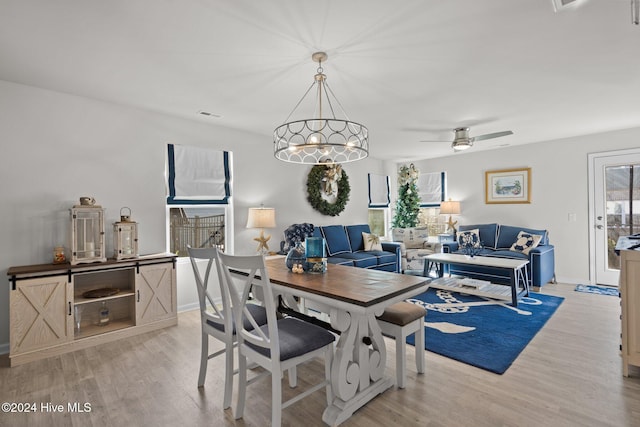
column 518, row 284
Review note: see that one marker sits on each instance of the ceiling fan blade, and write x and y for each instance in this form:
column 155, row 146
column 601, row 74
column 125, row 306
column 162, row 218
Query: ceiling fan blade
column 491, row 135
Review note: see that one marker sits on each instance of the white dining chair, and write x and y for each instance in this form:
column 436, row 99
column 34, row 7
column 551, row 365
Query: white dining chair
column 280, row 344
column 216, row 321
column 399, row 321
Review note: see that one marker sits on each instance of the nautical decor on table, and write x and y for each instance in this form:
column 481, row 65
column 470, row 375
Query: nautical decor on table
column 408, row 203
column 322, row 137
column 316, row 255
column 87, row 232
column 328, row 188
column 125, row 236
column 296, row 258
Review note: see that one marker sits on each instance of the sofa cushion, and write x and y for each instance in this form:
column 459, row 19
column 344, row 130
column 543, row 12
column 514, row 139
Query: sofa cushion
column 340, row 261
column 526, row 242
column 509, row 234
column 371, row 242
column 488, row 233
column 361, row 259
column 354, row 233
column 336, row 238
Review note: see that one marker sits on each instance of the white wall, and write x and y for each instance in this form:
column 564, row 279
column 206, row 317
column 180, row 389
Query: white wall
column 58, row 147
column 559, row 187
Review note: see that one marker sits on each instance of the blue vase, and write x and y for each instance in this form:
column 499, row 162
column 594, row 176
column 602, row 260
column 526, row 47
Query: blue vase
column 296, row 256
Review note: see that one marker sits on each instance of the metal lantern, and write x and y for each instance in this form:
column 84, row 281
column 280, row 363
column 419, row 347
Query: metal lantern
column 125, row 236
column 87, row 232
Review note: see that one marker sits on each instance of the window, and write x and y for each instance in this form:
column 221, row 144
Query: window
column 379, row 199
column 199, row 202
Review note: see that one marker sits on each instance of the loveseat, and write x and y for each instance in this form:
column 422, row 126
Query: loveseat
column 345, row 245
column 505, row 241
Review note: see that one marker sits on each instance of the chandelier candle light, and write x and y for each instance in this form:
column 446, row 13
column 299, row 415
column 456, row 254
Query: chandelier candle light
column 322, row 139
column 262, row 218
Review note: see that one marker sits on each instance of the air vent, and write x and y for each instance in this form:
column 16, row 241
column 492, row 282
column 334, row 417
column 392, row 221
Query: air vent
column 208, row 114
column 559, row 5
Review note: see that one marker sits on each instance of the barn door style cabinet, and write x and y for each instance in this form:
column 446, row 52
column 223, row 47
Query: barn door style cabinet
column 57, row 308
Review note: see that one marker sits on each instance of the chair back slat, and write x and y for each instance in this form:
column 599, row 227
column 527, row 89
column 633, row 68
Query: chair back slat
column 218, row 316
column 251, row 277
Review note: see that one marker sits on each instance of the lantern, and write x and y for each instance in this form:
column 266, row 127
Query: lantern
column 87, row 232
column 125, row 236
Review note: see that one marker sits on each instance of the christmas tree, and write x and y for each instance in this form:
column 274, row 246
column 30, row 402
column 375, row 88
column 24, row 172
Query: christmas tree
column 408, row 203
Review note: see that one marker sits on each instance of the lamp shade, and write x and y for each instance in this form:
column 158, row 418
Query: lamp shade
column 261, row 218
column 450, row 207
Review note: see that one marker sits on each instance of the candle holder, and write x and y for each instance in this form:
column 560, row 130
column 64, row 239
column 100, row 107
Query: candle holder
column 316, row 255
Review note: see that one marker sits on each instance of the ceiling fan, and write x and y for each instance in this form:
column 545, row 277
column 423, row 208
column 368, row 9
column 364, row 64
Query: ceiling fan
column 462, row 140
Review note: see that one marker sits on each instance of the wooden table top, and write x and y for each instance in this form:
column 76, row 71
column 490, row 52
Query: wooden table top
column 360, row 286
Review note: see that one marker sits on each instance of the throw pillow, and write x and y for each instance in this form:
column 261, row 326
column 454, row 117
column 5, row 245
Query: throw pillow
column 371, row 242
column 469, row 238
column 525, row 242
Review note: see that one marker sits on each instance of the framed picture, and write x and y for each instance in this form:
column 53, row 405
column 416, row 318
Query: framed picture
column 508, row 186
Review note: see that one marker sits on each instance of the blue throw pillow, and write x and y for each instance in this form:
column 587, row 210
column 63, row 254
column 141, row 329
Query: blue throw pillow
column 336, row 238
column 469, row 239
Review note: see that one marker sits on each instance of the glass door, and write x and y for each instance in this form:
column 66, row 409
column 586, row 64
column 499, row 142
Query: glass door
column 615, row 209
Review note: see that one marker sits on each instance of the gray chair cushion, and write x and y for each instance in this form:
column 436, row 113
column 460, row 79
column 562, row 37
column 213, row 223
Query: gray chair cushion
column 297, row 337
column 257, row 311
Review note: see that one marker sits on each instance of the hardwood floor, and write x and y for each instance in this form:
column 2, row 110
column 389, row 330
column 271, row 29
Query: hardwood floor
column 569, row 375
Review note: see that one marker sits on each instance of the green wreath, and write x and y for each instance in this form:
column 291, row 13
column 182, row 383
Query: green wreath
column 314, row 184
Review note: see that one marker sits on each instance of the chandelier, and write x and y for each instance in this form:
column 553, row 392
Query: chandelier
column 323, row 138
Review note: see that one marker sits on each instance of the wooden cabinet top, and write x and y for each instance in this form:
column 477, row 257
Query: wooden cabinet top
column 67, row 268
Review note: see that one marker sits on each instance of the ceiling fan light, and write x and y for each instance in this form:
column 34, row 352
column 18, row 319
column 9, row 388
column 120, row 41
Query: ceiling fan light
column 460, row 145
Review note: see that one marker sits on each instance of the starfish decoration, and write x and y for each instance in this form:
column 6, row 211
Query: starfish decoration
column 262, row 242
column 452, row 224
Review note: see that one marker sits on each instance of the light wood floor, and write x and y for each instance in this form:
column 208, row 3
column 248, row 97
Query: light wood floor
column 569, row 375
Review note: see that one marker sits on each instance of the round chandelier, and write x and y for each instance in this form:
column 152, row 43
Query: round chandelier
column 323, row 138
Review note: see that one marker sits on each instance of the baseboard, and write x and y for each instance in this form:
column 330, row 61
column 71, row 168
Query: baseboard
column 189, row 307
column 4, row 348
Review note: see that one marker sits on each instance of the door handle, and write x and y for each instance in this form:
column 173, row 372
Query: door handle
column 599, row 218
column 599, row 227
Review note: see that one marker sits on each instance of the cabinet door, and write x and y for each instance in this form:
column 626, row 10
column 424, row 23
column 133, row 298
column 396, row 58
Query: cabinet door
column 155, row 293
column 41, row 314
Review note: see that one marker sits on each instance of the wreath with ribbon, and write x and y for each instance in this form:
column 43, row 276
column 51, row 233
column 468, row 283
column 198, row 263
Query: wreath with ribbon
column 314, row 189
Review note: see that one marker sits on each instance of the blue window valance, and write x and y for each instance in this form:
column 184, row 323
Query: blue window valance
column 379, row 191
column 197, row 175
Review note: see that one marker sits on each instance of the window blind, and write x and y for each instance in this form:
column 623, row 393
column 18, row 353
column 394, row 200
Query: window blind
column 197, row 175
column 379, row 191
column 432, row 189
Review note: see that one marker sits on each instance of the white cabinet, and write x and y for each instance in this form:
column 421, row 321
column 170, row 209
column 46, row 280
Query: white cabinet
column 59, row 308
column 630, row 304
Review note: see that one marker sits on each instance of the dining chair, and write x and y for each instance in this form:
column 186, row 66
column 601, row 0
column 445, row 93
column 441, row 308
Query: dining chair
column 281, row 344
column 399, row 321
column 217, row 321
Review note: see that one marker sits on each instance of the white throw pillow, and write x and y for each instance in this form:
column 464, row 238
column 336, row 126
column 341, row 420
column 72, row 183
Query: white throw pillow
column 525, row 242
column 371, row 242
column 469, row 238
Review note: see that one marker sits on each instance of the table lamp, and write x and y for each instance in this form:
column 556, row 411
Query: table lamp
column 262, row 218
column 450, row 208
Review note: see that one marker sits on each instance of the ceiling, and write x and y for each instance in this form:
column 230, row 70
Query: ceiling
column 409, row 70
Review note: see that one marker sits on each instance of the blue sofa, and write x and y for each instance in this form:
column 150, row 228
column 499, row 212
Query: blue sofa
column 345, row 246
column 496, row 241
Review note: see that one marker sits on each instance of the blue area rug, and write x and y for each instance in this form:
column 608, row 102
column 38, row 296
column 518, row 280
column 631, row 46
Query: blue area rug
column 482, row 332
column 600, row 290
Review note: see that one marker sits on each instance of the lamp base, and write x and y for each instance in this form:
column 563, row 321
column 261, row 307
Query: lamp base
column 263, row 247
column 452, row 225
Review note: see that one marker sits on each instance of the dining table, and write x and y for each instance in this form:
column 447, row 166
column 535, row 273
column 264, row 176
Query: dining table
column 353, row 297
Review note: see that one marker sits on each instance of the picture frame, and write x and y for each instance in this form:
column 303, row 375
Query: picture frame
column 508, row 186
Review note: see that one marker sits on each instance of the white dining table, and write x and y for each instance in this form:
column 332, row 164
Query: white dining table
column 353, row 297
